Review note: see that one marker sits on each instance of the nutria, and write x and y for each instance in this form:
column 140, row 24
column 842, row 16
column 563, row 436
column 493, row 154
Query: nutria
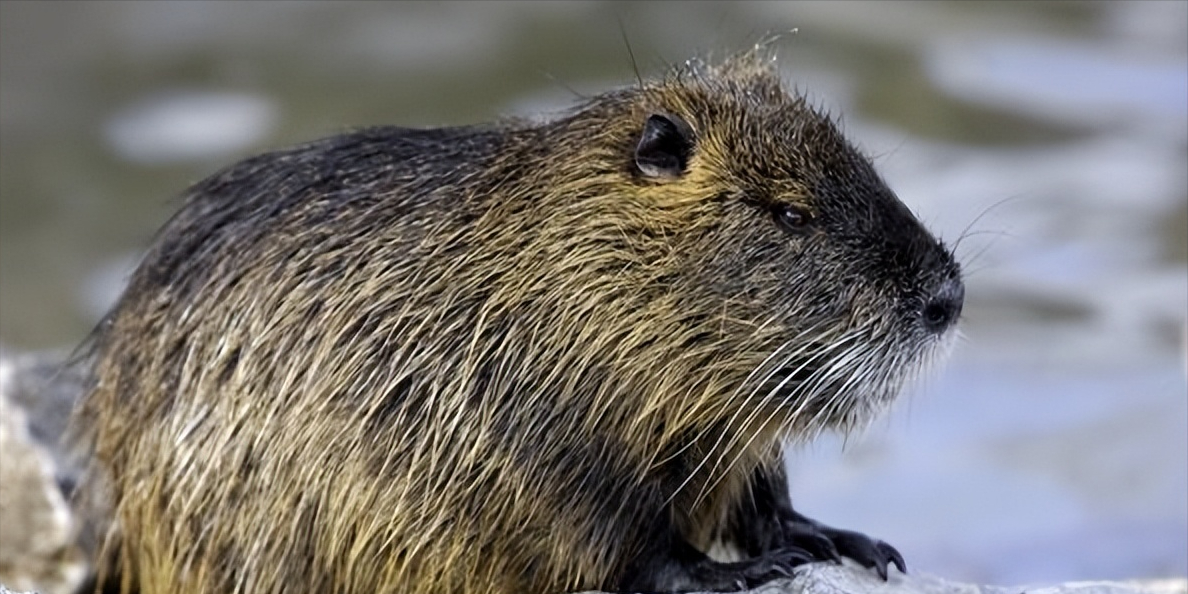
column 522, row 357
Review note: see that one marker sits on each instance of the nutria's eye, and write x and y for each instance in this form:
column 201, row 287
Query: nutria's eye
column 793, row 218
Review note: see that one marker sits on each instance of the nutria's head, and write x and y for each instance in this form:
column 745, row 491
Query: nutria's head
column 805, row 292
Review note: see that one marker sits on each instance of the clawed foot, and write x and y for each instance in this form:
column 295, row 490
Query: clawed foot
column 752, row 573
column 683, row 568
column 830, row 544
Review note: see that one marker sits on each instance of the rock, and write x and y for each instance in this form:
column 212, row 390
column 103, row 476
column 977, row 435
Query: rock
column 45, row 390
column 825, row 578
column 828, row 578
column 38, row 530
column 37, row 542
column 4, row 590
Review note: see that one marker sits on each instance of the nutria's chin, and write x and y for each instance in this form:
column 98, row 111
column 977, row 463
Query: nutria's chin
column 512, row 358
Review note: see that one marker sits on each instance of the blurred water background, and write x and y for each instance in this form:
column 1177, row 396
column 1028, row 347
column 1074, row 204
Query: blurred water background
column 1053, row 446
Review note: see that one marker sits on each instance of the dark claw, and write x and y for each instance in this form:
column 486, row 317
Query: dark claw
column 893, row 556
column 868, row 552
column 813, row 541
column 752, row 573
column 776, row 564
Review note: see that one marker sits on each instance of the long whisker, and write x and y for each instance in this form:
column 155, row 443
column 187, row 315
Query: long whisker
column 755, row 410
column 800, row 338
column 729, row 400
column 965, row 232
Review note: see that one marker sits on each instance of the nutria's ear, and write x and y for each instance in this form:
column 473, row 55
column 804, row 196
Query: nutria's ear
column 664, row 147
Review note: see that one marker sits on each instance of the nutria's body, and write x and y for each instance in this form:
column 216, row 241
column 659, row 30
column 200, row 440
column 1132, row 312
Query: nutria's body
column 517, row 358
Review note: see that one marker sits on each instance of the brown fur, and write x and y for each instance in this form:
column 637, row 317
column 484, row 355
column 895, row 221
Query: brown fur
column 485, row 359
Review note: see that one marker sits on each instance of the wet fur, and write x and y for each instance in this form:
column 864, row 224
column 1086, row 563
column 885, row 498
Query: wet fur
column 500, row 358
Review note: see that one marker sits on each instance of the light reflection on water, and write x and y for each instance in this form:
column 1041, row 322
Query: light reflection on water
column 1054, row 445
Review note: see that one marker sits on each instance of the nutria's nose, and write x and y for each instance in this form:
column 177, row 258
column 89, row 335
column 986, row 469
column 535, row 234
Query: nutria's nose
column 943, row 308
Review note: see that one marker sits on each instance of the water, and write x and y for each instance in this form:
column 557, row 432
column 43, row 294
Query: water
column 1053, row 446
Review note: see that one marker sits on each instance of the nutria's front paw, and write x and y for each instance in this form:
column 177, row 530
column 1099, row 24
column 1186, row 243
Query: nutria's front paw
column 831, row 544
column 811, row 537
column 868, row 552
column 750, row 573
column 686, row 569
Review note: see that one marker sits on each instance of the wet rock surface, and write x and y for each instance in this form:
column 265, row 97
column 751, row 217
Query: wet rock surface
column 38, row 549
column 834, row 579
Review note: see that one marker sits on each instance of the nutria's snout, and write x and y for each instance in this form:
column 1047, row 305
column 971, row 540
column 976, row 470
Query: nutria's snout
column 943, row 306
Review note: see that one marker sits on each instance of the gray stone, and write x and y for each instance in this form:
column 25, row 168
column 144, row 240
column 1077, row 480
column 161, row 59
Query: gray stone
column 4, row 590
column 828, row 578
column 37, row 542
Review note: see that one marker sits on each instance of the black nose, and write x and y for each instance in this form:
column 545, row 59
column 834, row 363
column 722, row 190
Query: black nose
column 944, row 306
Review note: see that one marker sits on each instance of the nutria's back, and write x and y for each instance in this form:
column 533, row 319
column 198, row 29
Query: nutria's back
column 515, row 358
